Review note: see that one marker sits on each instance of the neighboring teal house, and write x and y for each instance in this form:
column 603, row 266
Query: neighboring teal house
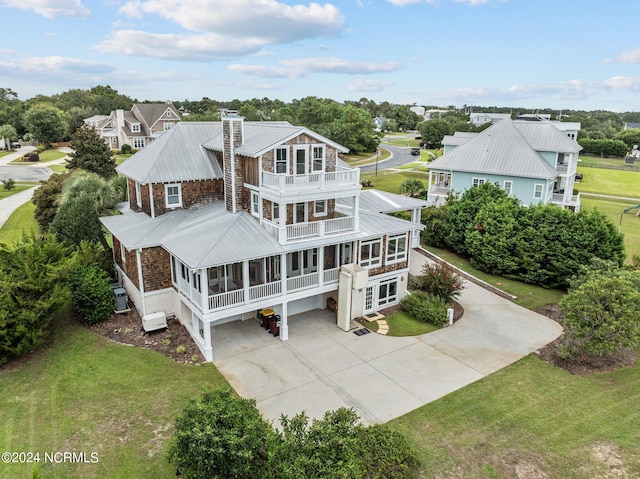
column 533, row 161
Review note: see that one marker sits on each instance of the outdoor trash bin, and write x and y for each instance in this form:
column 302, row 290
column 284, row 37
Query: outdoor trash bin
column 264, row 315
column 274, row 325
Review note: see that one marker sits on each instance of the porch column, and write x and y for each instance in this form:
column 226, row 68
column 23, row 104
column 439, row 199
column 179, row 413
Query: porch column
column 284, row 326
column 208, row 347
column 320, row 265
column 245, row 280
column 283, row 272
column 356, row 213
column 204, row 289
column 282, row 221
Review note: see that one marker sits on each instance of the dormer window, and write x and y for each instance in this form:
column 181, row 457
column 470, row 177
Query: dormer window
column 318, row 158
column 135, row 127
column 173, row 195
column 168, row 126
column 281, row 159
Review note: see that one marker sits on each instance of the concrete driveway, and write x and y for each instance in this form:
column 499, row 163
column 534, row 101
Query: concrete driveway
column 322, row 367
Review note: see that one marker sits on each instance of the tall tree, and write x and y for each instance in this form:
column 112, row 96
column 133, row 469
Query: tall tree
column 46, row 198
column 47, row 123
column 91, row 153
column 9, row 133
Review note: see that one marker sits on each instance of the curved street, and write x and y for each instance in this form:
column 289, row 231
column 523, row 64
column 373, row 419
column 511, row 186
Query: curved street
column 399, row 156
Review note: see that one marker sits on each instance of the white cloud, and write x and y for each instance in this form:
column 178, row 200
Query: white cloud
column 269, row 20
column 403, row 3
column 56, row 65
column 301, row 67
column 208, row 46
column 339, row 65
column 622, row 83
column 51, row 8
column 369, row 85
column 631, row 56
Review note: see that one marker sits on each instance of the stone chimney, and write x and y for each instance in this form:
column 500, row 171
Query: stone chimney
column 232, row 137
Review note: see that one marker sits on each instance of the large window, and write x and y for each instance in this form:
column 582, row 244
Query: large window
column 387, row 292
column 168, row 126
column 318, row 158
column 173, row 195
column 537, row 191
column 135, row 127
column 370, row 252
column 138, row 143
column 397, row 248
column 477, row 182
column 225, row 278
column 281, row 159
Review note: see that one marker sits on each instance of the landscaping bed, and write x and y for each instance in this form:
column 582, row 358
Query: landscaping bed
column 175, row 342
column 584, row 363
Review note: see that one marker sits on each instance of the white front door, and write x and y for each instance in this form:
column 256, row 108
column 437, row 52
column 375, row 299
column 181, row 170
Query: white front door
column 368, row 307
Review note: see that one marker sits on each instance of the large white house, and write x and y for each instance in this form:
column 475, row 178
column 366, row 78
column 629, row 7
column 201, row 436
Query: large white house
column 228, row 218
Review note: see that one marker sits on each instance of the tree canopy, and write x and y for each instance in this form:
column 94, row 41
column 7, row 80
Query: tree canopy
column 47, row 123
column 91, row 153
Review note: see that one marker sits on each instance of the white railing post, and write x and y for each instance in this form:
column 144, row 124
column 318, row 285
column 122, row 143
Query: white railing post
column 321, row 228
column 245, row 280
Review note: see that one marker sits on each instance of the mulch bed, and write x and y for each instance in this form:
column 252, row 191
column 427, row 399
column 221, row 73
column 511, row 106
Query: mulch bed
column 583, row 364
column 175, row 342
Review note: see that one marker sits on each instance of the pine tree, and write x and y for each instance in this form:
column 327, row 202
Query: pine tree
column 91, row 153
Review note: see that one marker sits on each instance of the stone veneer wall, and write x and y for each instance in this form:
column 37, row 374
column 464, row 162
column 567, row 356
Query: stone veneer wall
column 130, row 265
column 232, row 132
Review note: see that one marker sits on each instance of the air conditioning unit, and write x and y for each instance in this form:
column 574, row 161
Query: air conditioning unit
column 154, row 321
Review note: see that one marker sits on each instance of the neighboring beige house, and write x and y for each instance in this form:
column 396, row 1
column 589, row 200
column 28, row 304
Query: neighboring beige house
column 228, row 218
column 138, row 127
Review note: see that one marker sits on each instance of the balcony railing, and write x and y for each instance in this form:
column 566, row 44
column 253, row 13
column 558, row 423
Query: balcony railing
column 302, row 282
column 311, row 229
column 224, row 300
column 262, row 291
column 318, row 181
column 331, row 275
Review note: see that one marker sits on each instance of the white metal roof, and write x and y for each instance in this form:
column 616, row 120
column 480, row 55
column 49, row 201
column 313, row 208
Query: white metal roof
column 383, row 202
column 504, row 149
column 177, row 155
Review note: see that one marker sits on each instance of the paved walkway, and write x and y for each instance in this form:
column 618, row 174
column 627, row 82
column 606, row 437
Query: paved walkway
column 322, row 367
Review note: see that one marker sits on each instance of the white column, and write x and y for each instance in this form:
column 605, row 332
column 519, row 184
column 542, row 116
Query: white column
column 204, row 289
column 284, row 326
column 208, row 347
column 356, row 213
column 283, row 272
column 245, row 280
column 321, row 265
column 141, row 282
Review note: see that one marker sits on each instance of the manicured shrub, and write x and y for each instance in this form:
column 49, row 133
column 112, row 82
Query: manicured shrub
column 387, row 454
column 126, row 149
column 9, row 184
column 423, row 307
column 91, row 293
column 219, row 435
column 440, row 280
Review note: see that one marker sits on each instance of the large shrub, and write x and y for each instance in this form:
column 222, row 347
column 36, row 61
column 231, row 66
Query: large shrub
column 603, row 314
column 439, row 280
column 219, row 435
column 91, row 293
column 32, row 290
column 91, row 153
column 423, row 307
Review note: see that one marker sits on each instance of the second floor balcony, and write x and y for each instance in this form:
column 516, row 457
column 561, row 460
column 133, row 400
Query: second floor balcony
column 321, row 180
column 311, row 229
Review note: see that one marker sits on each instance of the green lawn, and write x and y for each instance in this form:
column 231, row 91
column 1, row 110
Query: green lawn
column 595, row 160
column 84, row 393
column 535, row 419
column 121, row 158
column 19, row 223
column 19, row 187
column 4, row 153
column 58, row 168
column 391, row 181
column 45, row 157
column 613, row 210
column 609, row 182
column 529, row 296
column 401, row 324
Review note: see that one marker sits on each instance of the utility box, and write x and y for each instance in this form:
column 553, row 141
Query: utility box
column 120, row 299
column 154, row 321
column 359, row 275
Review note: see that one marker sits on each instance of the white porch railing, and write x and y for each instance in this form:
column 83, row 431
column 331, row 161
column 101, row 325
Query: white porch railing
column 311, row 229
column 439, row 190
column 227, row 299
column 261, row 291
column 302, row 282
column 320, row 180
column 331, row 275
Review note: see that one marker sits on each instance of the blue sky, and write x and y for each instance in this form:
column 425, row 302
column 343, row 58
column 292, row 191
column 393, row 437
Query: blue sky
column 528, row 53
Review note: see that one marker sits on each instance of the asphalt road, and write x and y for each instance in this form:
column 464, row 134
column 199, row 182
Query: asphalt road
column 399, row 156
column 24, row 173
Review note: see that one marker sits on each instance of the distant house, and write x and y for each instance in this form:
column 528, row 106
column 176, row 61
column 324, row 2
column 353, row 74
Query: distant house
column 477, row 119
column 531, row 160
column 569, row 128
column 229, row 218
column 138, row 127
column 379, row 121
column 629, row 124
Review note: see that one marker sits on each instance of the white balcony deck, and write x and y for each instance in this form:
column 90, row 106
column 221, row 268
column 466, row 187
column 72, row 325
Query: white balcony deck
column 321, row 180
column 572, row 201
column 312, row 229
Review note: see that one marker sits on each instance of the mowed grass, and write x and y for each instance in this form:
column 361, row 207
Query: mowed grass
column 45, row 156
column 401, row 324
column 613, row 209
column 21, row 222
column 18, row 188
column 609, row 182
column 84, row 393
column 529, row 295
column 532, row 420
column 391, row 181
